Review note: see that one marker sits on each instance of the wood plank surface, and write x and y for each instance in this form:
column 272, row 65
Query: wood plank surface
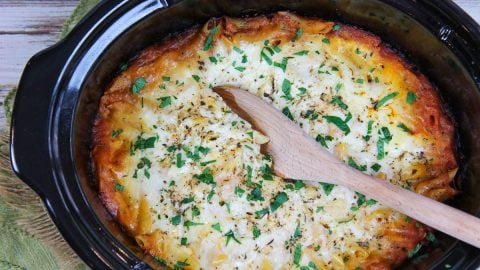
column 28, row 26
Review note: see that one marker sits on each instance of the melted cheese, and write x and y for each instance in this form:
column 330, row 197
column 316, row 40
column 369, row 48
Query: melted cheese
column 318, row 77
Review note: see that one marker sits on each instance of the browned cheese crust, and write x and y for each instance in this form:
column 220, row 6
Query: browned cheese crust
column 120, row 109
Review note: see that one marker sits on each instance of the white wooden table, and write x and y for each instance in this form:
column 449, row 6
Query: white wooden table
column 28, row 26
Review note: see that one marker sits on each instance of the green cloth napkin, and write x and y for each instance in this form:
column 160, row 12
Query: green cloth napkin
column 28, row 237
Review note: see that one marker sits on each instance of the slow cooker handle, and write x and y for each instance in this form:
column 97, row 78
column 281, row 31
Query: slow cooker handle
column 29, row 142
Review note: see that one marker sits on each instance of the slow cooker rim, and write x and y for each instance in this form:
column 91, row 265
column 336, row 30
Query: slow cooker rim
column 60, row 187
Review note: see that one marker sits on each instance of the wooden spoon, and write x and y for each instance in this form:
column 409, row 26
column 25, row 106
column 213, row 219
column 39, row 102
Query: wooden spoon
column 297, row 156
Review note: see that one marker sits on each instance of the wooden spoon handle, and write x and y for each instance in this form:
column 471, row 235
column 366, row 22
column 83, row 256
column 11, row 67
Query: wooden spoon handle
column 437, row 215
column 297, row 156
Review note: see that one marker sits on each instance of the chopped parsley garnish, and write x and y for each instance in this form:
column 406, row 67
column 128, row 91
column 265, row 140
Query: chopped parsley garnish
column 323, row 140
column 267, row 172
column 244, row 59
column 360, row 201
column 187, row 200
column 144, row 143
column 327, row 188
column 195, row 154
column 357, row 51
column 301, row 91
column 338, row 87
column 196, row 78
column 326, row 40
column 385, row 99
column 297, row 254
column 256, row 194
column 298, row 233
column 414, row 251
column 337, row 121
column 384, row 137
column 264, row 56
column 298, row 35
column 370, row 202
column 195, row 211
column 299, row 185
column 311, row 115
column 238, row 50
column 123, row 67
column 430, row 237
column 165, row 102
column 239, row 191
column 248, row 147
column 312, row 265
column 203, row 150
column 231, row 236
column 209, row 42
column 138, row 85
column 411, row 97
column 301, row 53
column 360, row 81
column 180, row 162
column 189, row 223
column 241, row 69
column 282, row 65
column 213, row 59
column 287, row 113
column 217, row 227
column 119, row 187
column 256, row 232
column 337, row 100
column 117, row 132
column 354, row 165
column 144, row 164
column 380, row 149
column 166, row 78
column 385, row 134
column 369, row 131
column 183, row 241
column 180, row 265
column 318, row 210
column 404, row 128
column 336, row 27
column 376, row 167
column 250, row 134
column 211, row 193
column 280, row 199
column 161, row 261
column 176, row 220
column 286, row 86
column 204, row 163
column 261, row 213
column 205, row 177
column 249, row 175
